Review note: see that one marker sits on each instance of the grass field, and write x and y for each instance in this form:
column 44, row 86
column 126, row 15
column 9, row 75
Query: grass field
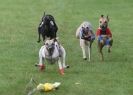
column 19, row 20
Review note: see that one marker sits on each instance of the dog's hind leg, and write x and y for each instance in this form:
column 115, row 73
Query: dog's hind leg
column 100, row 46
column 110, row 45
column 89, row 51
column 102, row 58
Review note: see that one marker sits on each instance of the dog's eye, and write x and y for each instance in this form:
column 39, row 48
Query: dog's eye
column 52, row 43
column 87, row 27
column 46, row 43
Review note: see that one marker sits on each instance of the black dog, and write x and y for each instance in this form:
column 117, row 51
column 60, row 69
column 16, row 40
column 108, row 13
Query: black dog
column 47, row 27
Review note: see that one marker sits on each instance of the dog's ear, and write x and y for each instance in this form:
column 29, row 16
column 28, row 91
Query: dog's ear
column 107, row 18
column 43, row 16
column 44, row 13
column 102, row 16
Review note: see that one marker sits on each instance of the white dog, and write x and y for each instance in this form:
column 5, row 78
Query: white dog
column 86, row 36
column 53, row 52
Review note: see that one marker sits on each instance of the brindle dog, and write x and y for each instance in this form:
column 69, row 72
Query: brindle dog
column 104, row 35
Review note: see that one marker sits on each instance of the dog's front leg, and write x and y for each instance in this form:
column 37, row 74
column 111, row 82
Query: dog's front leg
column 41, row 60
column 83, row 47
column 39, row 33
column 61, row 69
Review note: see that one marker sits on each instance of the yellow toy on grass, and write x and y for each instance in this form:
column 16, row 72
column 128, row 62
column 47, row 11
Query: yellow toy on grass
column 46, row 87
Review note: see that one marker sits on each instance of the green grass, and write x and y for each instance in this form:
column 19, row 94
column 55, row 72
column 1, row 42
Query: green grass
column 19, row 50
